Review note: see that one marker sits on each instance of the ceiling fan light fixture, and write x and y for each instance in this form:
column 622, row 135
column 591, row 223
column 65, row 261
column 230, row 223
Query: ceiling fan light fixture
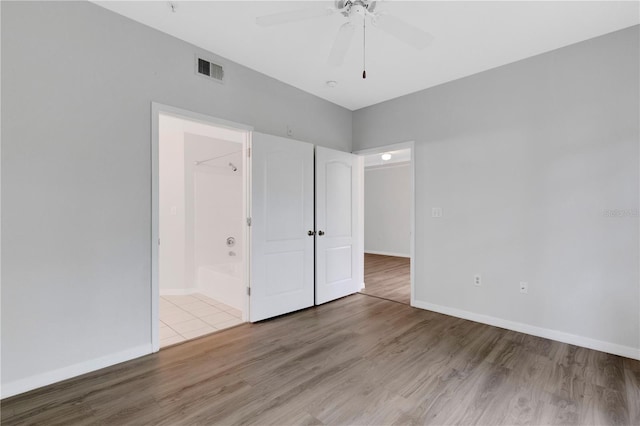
column 356, row 12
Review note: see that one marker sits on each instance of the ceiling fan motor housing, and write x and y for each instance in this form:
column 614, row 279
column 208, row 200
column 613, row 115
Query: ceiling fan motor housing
column 355, row 7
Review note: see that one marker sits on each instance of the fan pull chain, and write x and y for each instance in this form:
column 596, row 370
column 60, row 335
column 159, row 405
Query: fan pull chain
column 364, row 48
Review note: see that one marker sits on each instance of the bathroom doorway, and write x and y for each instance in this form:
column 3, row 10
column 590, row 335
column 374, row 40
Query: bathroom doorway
column 201, row 217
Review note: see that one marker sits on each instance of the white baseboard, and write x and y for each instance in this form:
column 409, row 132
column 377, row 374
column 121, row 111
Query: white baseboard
column 387, row 253
column 30, row 383
column 560, row 336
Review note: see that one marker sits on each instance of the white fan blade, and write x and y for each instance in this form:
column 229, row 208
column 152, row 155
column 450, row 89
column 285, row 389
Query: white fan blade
column 292, row 16
column 404, row 32
column 341, row 45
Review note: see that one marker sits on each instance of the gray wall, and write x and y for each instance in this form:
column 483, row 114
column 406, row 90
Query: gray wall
column 387, row 204
column 78, row 82
column 525, row 160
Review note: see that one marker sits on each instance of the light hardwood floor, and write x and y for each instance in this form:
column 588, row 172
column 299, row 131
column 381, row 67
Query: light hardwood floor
column 387, row 277
column 357, row 360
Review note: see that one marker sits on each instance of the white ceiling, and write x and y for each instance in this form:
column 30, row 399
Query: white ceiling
column 397, row 156
column 470, row 37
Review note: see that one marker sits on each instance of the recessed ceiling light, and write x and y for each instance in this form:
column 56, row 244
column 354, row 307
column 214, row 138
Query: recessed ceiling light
column 332, row 83
column 386, row 156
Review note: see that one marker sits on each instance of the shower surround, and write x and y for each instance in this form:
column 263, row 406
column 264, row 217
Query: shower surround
column 201, row 212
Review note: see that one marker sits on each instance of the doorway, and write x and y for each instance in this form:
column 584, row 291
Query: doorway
column 200, row 204
column 388, row 222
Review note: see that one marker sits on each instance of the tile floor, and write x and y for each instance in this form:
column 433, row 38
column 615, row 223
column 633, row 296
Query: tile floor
column 187, row 317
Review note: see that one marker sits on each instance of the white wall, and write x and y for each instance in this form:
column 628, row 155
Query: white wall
column 525, row 160
column 387, row 209
column 78, row 82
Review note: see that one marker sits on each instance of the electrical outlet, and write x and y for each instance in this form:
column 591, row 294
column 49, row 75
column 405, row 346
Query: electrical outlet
column 477, row 280
column 436, row 212
column 289, row 131
column 524, row 287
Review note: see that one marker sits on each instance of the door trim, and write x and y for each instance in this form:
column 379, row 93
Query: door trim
column 156, row 110
column 412, row 207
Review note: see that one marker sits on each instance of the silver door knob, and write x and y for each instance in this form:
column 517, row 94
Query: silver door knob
column 320, row 232
column 311, row 233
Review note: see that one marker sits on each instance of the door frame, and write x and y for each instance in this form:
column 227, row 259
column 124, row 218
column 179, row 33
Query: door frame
column 156, row 110
column 412, row 207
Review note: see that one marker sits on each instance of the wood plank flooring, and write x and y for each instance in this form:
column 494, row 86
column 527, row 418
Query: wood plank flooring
column 357, row 360
column 387, row 277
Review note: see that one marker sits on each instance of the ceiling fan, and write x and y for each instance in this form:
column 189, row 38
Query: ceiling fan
column 357, row 13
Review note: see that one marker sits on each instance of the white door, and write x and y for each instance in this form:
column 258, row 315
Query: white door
column 282, row 216
column 337, row 224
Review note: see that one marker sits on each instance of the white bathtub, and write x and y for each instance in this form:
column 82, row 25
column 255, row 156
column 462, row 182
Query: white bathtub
column 223, row 282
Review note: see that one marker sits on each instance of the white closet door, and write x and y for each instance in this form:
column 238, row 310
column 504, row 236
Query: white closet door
column 282, row 216
column 337, row 241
